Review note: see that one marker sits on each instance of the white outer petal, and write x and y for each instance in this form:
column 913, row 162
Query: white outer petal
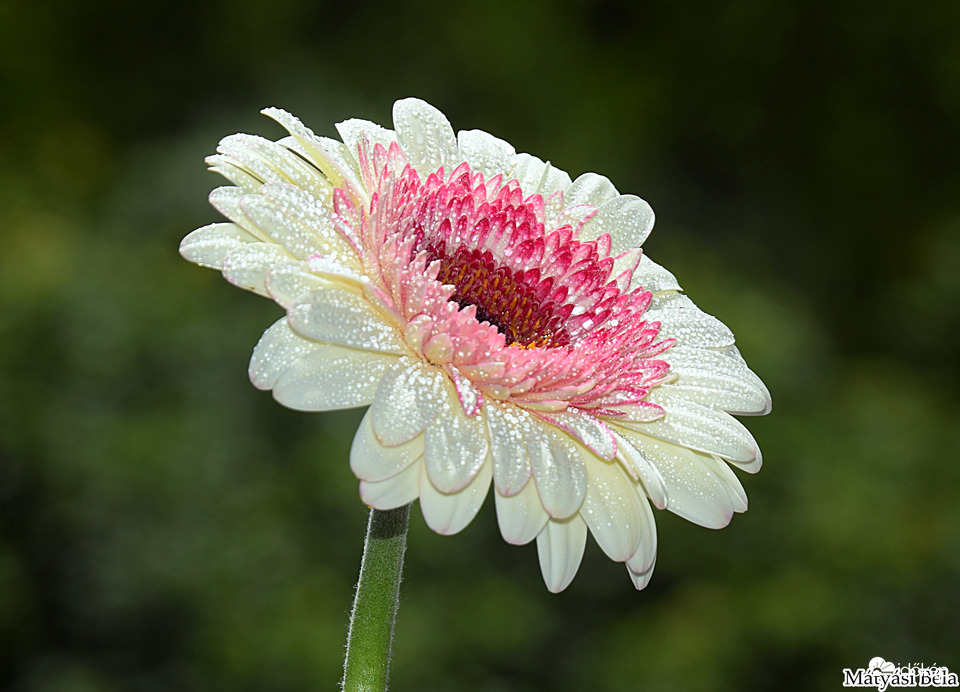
column 485, row 153
column 641, row 562
column 589, row 188
column 627, row 218
column 521, row 516
column 353, row 130
column 612, row 510
column 509, row 426
column 278, row 349
column 393, row 492
column 372, row 461
column 448, row 514
column 455, row 447
column 560, row 547
column 651, row 479
column 425, row 136
column 331, row 378
column 682, row 320
column 210, row 245
column 410, row 396
column 713, row 379
column 559, row 473
column 288, row 281
column 247, row 266
column 342, row 317
column 653, row 277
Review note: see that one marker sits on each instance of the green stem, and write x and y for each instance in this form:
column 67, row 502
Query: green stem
column 366, row 667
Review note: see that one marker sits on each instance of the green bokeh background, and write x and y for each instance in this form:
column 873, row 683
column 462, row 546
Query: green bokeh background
column 165, row 526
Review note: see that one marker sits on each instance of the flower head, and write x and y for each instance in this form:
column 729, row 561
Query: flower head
column 502, row 324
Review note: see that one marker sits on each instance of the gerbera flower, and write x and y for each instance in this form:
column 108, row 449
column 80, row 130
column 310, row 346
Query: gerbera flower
column 502, row 325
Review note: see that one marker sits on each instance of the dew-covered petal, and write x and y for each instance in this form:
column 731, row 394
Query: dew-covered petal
column 372, row 461
column 559, row 472
column 353, row 130
column 642, row 560
column 653, row 277
column 680, row 319
column 612, row 510
column 395, row 491
column 425, row 136
column 593, row 433
column 410, row 396
column 509, row 427
column 560, row 547
column 448, row 514
column 710, row 378
column 247, row 266
column 641, row 578
column 278, row 349
column 483, row 152
column 695, row 492
column 646, row 472
column 698, row 427
column 210, row 245
column 342, row 317
column 589, row 188
column 288, row 281
column 537, row 176
column 627, row 218
column 331, row 378
column 455, row 447
column 521, row 516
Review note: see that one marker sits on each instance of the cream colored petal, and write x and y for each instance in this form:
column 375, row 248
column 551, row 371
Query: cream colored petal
column 593, row 433
column 589, row 188
column 372, row 461
column 455, row 447
column 641, row 562
column 560, row 547
column 288, row 281
column 651, row 479
column 682, row 320
column 698, row 427
column 509, row 426
column 269, row 161
column 285, row 229
column 710, row 378
column 642, row 578
column 612, row 510
column 278, row 349
column 342, row 317
column 537, row 176
column 738, row 496
column 226, row 200
column 559, row 473
column 695, row 492
column 521, row 516
column 484, row 152
column 410, row 396
column 232, row 171
column 425, row 136
column 627, row 218
column 352, row 130
column 331, row 378
column 448, row 514
column 247, row 266
column 653, row 277
column 393, row 492
column 210, row 245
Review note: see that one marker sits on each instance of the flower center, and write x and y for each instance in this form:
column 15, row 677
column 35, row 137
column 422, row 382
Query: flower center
column 512, row 301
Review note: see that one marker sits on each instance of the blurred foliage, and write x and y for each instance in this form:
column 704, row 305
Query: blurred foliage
column 166, row 526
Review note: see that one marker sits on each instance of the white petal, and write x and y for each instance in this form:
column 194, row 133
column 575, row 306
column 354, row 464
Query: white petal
column 448, row 514
column 247, row 266
column 288, row 281
column 612, row 510
column 593, row 433
column 372, row 461
column 330, row 378
column 278, row 349
column 695, row 492
column 653, row 277
column 210, row 245
column 269, row 161
column 559, row 473
column 509, row 426
column 425, row 135
column 712, row 379
column 344, row 318
column 627, row 218
column 226, row 200
column 537, row 176
column 305, row 224
column 682, row 320
column 455, row 447
column 231, row 170
column 649, row 476
column 560, row 546
column 738, row 496
column 521, row 516
column 396, row 491
column 698, row 427
column 410, row 396
column 641, row 562
column 641, row 579
column 589, row 188
column 352, row 130
column 484, row 152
